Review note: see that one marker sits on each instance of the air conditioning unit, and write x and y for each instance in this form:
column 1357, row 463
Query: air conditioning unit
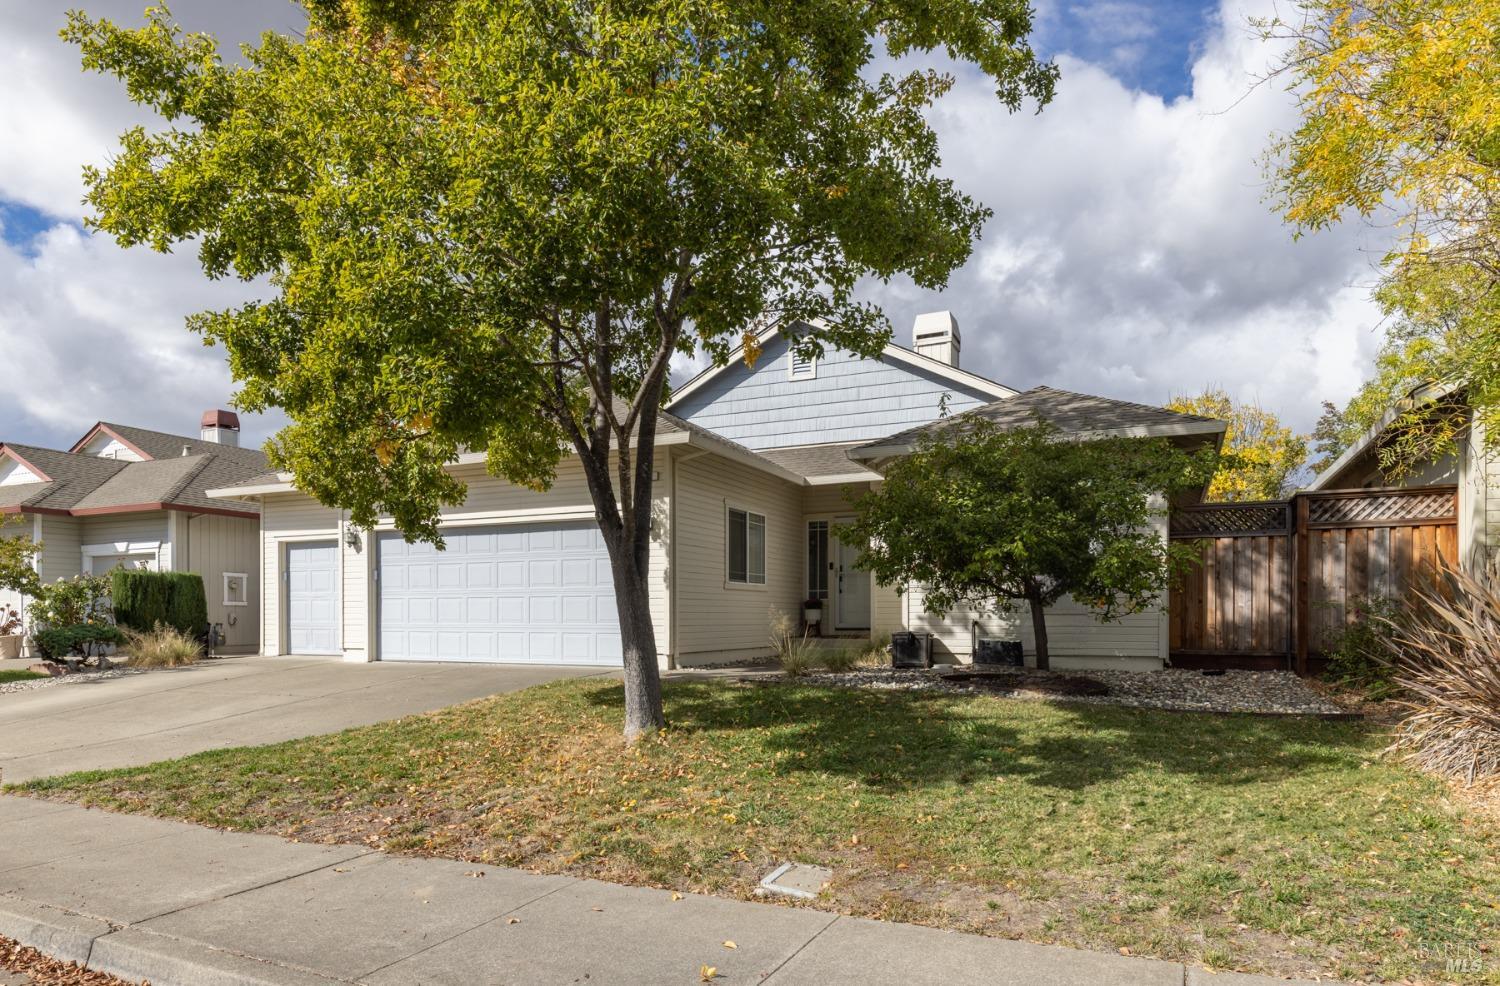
column 998, row 651
column 911, row 649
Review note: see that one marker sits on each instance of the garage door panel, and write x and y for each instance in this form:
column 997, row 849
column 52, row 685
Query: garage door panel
column 312, row 598
column 538, row 593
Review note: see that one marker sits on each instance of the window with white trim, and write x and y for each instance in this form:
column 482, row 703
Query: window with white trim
column 801, row 367
column 746, row 542
column 236, row 589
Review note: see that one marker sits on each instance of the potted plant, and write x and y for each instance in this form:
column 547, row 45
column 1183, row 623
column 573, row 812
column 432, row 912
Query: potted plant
column 11, row 637
column 812, row 613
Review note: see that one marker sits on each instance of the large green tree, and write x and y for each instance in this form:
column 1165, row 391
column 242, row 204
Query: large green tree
column 490, row 224
column 985, row 517
column 1400, row 125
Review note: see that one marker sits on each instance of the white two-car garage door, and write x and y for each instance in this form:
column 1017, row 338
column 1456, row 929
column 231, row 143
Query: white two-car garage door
column 515, row 594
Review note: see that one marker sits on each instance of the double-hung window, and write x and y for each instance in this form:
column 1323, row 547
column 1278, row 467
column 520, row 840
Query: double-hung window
column 747, row 547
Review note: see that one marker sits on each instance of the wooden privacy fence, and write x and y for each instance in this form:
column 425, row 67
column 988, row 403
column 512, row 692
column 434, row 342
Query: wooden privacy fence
column 1275, row 579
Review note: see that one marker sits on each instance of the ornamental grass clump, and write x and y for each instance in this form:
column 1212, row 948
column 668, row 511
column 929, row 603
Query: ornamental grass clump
column 1447, row 661
column 162, row 647
column 797, row 652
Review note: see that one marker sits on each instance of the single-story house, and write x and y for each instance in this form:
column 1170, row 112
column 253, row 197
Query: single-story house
column 126, row 496
column 753, row 471
column 1469, row 466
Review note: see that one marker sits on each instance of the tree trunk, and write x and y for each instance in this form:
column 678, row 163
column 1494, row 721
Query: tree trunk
column 643, row 708
column 1039, row 630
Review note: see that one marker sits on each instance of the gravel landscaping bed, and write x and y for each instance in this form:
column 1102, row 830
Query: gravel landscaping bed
column 1264, row 692
column 80, row 678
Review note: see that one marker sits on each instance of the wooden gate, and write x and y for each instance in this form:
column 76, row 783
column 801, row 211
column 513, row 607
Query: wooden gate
column 1276, row 579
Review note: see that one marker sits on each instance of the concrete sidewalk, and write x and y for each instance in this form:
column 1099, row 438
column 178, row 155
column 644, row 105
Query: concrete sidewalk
column 182, row 905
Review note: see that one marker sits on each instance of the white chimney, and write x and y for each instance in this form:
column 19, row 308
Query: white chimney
column 935, row 334
column 220, row 427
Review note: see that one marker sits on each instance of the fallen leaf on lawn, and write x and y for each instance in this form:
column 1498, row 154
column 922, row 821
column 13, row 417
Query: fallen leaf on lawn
column 707, row 973
column 730, row 944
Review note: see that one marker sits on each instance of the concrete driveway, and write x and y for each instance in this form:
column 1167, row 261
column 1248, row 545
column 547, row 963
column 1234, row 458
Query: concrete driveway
column 242, row 701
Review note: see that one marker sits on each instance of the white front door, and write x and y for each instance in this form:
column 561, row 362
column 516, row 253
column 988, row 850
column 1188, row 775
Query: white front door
column 853, row 589
column 312, row 598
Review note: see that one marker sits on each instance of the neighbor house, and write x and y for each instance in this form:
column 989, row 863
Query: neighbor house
column 753, row 473
column 131, row 497
column 1469, row 467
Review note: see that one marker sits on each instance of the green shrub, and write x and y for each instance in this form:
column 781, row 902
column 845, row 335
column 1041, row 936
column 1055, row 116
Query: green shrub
column 145, row 599
column 78, row 641
column 162, row 647
column 68, row 602
column 1359, row 653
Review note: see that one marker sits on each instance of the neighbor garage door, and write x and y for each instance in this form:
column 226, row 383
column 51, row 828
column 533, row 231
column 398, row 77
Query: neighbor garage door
column 515, row 594
column 312, row 598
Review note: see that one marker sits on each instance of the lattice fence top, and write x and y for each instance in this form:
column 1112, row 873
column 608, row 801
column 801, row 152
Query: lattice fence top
column 1229, row 519
column 1383, row 507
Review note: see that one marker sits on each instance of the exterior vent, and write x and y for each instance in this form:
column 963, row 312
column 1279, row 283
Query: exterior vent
column 220, row 427
column 802, row 367
column 935, row 335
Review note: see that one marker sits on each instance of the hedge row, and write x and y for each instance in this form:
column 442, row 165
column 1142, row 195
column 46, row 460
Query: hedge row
column 142, row 599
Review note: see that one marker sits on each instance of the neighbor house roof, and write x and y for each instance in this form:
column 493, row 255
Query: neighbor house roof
column 1074, row 413
column 78, row 484
column 1421, row 394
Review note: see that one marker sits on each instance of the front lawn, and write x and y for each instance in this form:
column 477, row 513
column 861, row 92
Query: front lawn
column 6, row 677
column 1286, row 846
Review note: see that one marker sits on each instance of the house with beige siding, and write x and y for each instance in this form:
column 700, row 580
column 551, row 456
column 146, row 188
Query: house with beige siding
column 130, row 497
column 756, row 465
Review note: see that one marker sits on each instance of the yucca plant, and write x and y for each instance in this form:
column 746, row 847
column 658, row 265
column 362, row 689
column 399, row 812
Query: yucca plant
column 1447, row 661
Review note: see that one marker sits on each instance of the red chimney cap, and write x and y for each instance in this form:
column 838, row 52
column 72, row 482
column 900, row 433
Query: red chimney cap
column 220, row 419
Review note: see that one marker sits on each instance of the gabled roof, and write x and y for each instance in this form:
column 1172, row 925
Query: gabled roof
column 150, row 444
column 77, row 484
column 1073, row 413
column 892, row 351
column 1421, row 394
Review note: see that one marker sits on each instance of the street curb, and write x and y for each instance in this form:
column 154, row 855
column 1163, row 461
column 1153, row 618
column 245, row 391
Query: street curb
column 162, row 960
column 58, row 933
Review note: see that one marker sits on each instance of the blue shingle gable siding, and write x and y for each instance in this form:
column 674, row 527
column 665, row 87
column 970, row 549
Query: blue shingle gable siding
column 850, row 399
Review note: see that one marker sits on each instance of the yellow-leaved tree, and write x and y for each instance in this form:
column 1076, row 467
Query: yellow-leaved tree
column 1400, row 125
column 1260, row 454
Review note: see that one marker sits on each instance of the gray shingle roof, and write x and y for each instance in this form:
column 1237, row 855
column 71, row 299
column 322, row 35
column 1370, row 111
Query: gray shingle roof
column 816, row 461
column 89, row 483
column 1069, row 411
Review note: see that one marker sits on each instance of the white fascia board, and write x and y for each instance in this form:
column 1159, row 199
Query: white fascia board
column 842, row 478
column 286, row 483
column 744, row 456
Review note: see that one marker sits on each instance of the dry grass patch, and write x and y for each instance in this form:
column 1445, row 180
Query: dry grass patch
column 1277, row 845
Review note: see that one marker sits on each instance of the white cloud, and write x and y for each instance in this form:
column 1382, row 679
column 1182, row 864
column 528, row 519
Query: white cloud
column 91, row 331
column 1132, row 252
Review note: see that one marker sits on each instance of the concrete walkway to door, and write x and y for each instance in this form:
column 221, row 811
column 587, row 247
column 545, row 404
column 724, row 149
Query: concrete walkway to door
column 239, row 701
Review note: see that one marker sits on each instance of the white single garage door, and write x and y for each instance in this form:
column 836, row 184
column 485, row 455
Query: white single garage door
column 513, row 594
column 312, row 598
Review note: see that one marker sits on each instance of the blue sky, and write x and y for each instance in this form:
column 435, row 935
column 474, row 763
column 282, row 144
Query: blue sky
column 1132, row 251
column 1149, row 46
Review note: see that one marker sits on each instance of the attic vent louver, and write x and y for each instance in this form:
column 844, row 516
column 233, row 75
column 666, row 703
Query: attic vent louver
column 802, row 367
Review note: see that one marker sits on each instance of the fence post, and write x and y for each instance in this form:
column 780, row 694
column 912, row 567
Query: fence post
column 1301, row 584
